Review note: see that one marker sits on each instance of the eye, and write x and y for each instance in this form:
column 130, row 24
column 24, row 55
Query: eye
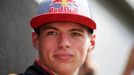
column 75, row 34
column 51, row 33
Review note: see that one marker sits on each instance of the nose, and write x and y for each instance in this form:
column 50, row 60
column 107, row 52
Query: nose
column 64, row 41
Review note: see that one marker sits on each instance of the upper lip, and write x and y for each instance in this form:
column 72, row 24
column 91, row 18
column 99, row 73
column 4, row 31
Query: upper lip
column 64, row 54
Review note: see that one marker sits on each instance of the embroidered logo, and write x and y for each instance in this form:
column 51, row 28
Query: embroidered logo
column 63, row 6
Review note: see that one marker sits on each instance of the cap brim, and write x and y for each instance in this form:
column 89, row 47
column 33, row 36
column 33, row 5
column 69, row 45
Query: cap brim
column 46, row 18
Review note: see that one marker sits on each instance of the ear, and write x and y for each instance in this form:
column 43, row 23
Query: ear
column 35, row 40
column 92, row 41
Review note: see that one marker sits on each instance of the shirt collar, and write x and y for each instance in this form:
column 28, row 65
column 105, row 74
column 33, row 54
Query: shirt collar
column 43, row 67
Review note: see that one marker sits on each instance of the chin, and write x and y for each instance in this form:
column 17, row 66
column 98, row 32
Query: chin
column 65, row 70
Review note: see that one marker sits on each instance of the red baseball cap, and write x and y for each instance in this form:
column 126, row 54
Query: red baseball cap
column 76, row 11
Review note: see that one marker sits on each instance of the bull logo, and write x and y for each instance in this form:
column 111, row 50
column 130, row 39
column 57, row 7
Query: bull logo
column 63, row 2
column 60, row 6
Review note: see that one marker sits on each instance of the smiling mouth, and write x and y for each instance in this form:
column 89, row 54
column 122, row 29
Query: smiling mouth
column 63, row 56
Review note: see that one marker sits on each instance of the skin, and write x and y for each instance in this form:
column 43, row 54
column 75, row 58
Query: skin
column 130, row 64
column 89, row 67
column 63, row 46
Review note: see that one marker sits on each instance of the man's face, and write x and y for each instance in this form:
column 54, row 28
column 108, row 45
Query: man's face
column 63, row 46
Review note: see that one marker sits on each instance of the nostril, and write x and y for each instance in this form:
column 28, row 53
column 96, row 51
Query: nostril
column 64, row 43
column 67, row 46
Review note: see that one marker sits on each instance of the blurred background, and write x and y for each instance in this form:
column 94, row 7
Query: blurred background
column 114, row 40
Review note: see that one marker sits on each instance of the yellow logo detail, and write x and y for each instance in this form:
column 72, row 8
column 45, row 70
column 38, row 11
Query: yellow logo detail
column 64, row 2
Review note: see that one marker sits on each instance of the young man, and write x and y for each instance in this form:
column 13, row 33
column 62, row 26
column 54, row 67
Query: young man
column 63, row 35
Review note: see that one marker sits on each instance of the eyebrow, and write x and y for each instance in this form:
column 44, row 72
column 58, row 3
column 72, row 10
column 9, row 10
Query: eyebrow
column 49, row 27
column 80, row 30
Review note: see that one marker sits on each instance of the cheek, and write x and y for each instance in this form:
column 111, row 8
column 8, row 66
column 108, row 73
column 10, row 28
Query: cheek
column 47, row 45
column 82, row 45
column 82, row 49
column 46, row 49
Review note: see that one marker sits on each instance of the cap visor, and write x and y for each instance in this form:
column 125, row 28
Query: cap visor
column 46, row 18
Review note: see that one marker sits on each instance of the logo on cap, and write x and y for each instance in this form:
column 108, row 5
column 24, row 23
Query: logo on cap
column 63, row 2
column 63, row 6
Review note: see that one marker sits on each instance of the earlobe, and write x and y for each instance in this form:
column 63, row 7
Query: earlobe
column 35, row 40
column 90, row 49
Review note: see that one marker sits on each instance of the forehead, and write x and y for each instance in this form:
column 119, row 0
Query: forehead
column 64, row 25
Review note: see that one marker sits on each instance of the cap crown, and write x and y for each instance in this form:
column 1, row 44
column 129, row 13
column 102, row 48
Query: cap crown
column 79, row 7
column 76, row 11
